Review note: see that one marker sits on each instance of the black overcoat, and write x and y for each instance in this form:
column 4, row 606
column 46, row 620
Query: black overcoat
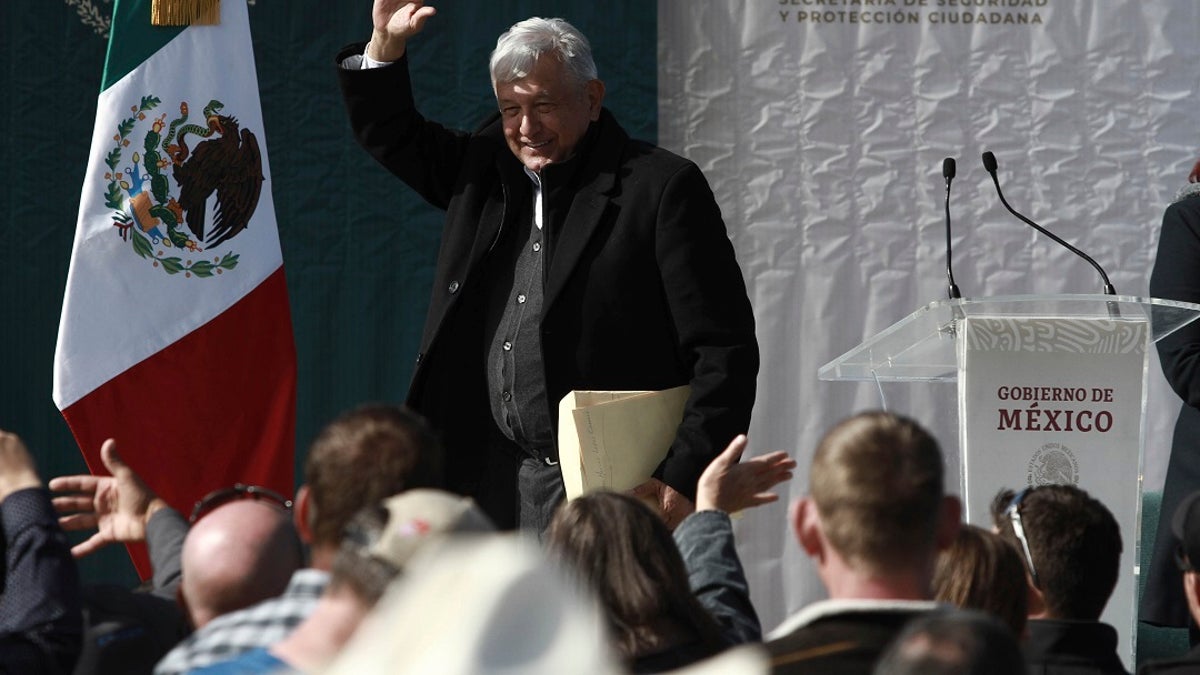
column 642, row 289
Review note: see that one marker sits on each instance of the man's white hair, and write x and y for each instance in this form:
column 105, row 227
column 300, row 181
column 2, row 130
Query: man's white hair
column 519, row 48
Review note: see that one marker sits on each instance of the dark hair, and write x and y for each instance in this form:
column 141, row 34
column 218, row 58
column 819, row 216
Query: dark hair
column 980, row 570
column 1074, row 543
column 876, row 480
column 953, row 642
column 623, row 551
column 363, row 457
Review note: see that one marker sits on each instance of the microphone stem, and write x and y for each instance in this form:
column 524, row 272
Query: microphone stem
column 953, row 290
column 1108, row 287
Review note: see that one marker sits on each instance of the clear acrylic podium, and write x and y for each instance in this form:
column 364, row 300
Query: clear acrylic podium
column 921, row 347
column 929, row 346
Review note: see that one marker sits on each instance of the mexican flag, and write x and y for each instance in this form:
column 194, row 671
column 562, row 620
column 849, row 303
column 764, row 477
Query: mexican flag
column 176, row 337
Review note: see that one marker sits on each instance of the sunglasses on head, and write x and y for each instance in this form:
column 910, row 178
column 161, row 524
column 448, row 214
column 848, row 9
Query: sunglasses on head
column 1013, row 513
column 235, row 492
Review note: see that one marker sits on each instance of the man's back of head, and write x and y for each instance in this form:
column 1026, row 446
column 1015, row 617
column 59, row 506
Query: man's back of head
column 873, row 521
column 360, row 459
column 1071, row 547
column 235, row 556
column 877, row 484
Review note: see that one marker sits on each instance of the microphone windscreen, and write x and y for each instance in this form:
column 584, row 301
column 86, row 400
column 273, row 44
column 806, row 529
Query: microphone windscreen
column 948, row 168
column 989, row 161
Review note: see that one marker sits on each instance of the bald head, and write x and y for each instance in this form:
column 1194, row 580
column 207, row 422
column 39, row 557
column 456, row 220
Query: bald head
column 239, row 554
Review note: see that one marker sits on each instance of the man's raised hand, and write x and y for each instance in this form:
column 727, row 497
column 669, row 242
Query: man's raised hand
column 117, row 506
column 394, row 22
column 730, row 486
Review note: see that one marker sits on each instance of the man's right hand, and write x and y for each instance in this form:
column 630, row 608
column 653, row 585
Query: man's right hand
column 118, row 506
column 395, row 21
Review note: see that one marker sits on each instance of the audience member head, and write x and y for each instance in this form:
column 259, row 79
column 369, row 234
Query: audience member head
column 481, row 605
column 1071, row 548
column 876, row 511
column 378, row 543
column 953, row 643
column 622, row 551
column 980, row 570
column 1185, row 527
column 379, row 539
column 238, row 554
column 359, row 459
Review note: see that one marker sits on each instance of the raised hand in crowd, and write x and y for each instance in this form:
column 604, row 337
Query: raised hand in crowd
column 117, row 506
column 730, row 486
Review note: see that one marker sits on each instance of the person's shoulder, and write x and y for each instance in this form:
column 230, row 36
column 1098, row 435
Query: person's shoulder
column 257, row 660
column 1183, row 666
column 841, row 631
column 826, row 646
column 1185, row 207
column 642, row 152
column 259, row 625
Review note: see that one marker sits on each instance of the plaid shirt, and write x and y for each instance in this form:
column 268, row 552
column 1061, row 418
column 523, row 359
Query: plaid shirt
column 261, row 625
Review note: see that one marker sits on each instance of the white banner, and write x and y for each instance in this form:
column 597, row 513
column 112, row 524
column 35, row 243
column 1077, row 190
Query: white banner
column 1047, row 400
column 822, row 126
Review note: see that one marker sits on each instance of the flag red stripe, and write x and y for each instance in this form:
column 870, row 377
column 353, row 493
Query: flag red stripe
column 215, row 408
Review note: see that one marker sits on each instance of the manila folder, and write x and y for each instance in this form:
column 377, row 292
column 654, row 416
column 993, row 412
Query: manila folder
column 615, row 440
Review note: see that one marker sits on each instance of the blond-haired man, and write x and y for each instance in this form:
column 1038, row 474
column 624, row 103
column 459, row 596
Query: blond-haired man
column 873, row 521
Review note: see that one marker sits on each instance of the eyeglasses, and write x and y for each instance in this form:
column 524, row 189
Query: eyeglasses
column 238, row 491
column 1013, row 512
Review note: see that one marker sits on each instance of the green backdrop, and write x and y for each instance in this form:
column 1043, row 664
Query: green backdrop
column 358, row 248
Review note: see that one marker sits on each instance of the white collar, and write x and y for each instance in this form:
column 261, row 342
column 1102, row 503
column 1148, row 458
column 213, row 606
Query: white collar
column 824, row 608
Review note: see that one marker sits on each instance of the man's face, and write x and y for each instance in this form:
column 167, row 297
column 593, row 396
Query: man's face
column 545, row 113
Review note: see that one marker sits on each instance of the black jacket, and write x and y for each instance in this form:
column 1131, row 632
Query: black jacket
column 1072, row 648
column 1176, row 276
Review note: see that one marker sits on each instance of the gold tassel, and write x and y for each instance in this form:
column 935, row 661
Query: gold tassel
column 185, row 12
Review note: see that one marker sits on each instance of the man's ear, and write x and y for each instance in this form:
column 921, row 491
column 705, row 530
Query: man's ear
column 181, row 600
column 595, row 98
column 1191, row 590
column 806, row 524
column 949, row 522
column 302, row 514
column 1036, row 600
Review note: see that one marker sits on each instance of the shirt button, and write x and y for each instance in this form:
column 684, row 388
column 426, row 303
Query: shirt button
column 507, row 396
column 453, row 286
column 537, row 246
column 521, row 299
column 507, row 346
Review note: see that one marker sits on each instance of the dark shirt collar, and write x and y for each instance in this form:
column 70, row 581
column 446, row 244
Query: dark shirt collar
column 1059, row 641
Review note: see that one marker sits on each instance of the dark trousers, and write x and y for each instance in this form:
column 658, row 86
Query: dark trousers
column 519, row 489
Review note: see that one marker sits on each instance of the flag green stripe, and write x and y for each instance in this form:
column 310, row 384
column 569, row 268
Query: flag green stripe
column 132, row 39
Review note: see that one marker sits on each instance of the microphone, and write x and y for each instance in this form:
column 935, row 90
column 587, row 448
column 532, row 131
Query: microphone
column 948, row 171
column 989, row 164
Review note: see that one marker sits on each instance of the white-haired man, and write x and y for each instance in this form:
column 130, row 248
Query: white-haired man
column 572, row 258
